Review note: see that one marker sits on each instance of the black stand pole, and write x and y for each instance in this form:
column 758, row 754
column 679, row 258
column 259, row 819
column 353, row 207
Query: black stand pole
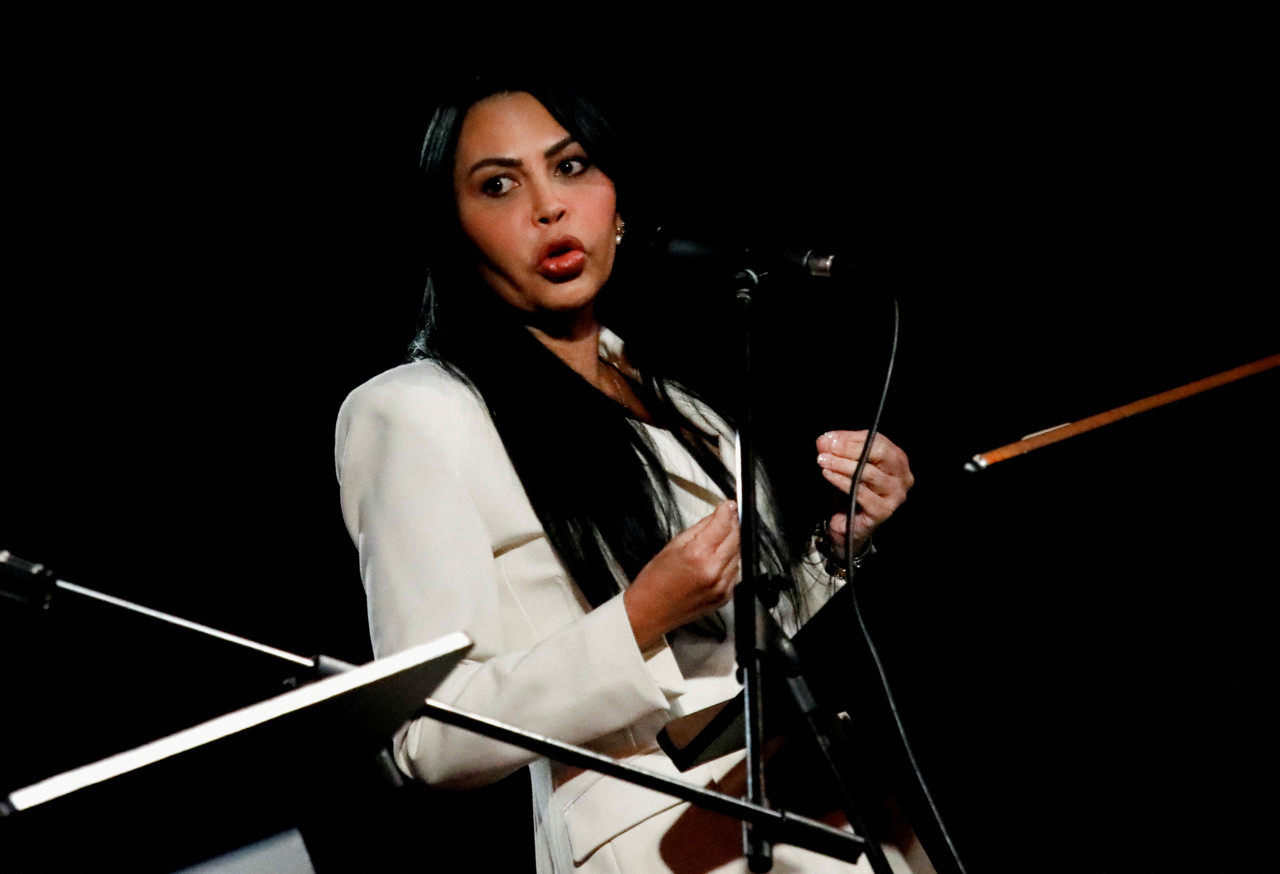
column 748, row 616
column 789, row 828
column 753, row 631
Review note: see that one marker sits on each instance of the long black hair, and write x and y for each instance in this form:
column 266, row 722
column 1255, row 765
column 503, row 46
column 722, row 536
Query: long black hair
column 589, row 468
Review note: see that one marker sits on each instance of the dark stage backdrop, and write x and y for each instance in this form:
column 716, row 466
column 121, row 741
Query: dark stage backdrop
column 215, row 234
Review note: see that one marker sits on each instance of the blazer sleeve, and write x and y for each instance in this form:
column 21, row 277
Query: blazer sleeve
column 421, row 481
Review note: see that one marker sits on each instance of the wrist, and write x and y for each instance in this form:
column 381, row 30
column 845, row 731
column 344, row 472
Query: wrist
column 833, row 554
column 646, row 630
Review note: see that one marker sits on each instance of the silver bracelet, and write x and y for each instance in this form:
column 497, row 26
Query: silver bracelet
column 833, row 562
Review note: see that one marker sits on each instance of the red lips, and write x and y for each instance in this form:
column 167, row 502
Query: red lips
column 562, row 259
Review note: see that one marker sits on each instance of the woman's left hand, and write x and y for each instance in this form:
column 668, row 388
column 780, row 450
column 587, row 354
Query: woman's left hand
column 886, row 479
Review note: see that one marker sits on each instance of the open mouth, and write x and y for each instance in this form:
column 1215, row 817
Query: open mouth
column 562, row 259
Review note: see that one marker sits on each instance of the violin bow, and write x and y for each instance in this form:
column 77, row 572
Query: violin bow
column 1070, row 429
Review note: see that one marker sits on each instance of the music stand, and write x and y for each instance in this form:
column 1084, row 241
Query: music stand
column 113, row 811
column 226, row 782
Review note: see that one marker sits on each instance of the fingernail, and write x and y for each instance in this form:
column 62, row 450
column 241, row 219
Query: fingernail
column 823, row 458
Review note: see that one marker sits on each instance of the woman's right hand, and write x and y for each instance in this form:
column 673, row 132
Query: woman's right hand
column 693, row 575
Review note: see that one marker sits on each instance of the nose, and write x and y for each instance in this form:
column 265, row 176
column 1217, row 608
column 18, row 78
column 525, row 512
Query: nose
column 548, row 206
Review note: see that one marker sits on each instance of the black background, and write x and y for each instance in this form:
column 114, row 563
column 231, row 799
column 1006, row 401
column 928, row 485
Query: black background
column 215, row 232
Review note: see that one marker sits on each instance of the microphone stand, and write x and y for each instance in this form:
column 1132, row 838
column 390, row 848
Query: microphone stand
column 748, row 612
column 755, row 634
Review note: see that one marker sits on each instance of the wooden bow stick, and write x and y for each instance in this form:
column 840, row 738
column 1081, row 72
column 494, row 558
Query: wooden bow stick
column 1071, row 429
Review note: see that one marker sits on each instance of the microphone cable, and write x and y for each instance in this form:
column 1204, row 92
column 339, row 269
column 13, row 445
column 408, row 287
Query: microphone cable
column 857, row 609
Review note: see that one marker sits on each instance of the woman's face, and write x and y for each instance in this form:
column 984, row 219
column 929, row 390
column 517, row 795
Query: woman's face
column 541, row 215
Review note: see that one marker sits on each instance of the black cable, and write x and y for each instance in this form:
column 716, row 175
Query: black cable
column 857, row 610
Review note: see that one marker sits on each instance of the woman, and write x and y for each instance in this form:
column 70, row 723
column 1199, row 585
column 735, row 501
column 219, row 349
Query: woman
column 524, row 482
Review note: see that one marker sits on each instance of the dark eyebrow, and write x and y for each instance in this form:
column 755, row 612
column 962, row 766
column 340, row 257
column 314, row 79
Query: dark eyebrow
column 516, row 162
column 494, row 162
column 559, row 147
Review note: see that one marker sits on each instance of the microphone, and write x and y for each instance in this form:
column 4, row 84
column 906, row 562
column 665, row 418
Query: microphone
column 795, row 259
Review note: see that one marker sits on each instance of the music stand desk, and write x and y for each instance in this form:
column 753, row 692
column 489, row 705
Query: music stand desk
column 235, row 778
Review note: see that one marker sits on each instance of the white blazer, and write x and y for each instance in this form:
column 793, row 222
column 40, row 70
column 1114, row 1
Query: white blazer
column 448, row 541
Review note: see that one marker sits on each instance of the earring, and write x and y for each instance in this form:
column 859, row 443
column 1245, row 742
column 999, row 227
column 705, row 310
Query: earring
column 621, row 229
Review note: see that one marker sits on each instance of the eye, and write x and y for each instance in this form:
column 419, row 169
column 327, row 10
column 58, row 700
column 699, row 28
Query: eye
column 497, row 186
column 572, row 166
